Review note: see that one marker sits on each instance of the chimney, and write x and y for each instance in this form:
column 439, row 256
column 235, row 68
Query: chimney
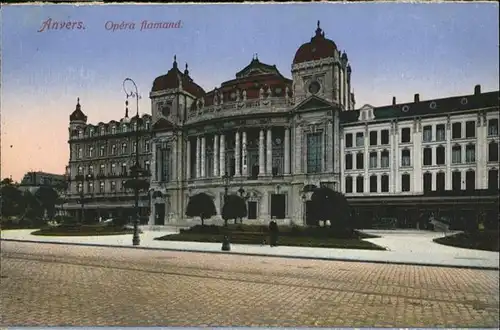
column 477, row 90
column 416, row 98
column 393, row 100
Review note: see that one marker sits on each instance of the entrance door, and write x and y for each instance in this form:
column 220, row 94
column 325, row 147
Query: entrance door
column 160, row 214
column 278, row 205
column 308, row 214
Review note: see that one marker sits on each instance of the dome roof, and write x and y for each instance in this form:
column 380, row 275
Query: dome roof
column 78, row 114
column 319, row 47
column 174, row 78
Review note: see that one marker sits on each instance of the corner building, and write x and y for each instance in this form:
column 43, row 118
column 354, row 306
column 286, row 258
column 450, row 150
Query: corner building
column 278, row 138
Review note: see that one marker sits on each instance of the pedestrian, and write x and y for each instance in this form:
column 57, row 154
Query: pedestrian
column 273, row 231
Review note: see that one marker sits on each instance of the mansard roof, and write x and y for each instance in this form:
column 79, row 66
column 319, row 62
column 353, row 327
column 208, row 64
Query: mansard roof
column 432, row 107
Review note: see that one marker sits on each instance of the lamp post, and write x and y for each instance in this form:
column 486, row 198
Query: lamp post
column 136, row 168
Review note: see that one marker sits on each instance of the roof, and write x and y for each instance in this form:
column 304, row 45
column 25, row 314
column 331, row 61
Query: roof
column 429, row 107
column 78, row 114
column 174, row 78
column 319, row 47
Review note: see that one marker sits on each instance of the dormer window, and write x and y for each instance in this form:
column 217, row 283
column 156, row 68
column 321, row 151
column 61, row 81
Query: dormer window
column 91, row 132
column 366, row 113
column 103, row 130
column 124, row 128
column 113, row 129
column 80, row 133
column 148, row 125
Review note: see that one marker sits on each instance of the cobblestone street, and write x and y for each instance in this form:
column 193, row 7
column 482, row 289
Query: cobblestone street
column 57, row 285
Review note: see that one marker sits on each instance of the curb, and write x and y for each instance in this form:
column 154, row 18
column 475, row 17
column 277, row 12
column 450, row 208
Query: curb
column 257, row 254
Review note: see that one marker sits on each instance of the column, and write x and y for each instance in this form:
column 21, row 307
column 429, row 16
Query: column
column 188, row 159
column 336, row 93
column 154, row 164
column 329, row 149
column 346, row 89
column 244, row 160
column 222, row 155
column 366, row 161
column 261, row 153
column 298, row 150
column 448, row 179
column 202, row 162
column 175, row 158
column 237, row 154
column 159, row 162
column 287, row 151
column 416, row 160
column 216, row 156
column 341, row 85
column 269, row 147
column 198, row 150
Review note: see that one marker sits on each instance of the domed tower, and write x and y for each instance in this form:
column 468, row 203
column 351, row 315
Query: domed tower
column 172, row 95
column 77, row 120
column 320, row 69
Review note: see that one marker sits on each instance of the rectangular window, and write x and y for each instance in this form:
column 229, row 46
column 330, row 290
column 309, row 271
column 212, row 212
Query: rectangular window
column 405, row 158
column 405, row 182
column 470, row 153
column 427, row 178
column 470, row 129
column 384, row 183
column 348, row 184
column 427, row 133
column 101, row 186
column 113, row 186
column 348, row 162
column 405, row 135
column 384, row 136
column 373, row 138
column 440, row 132
column 252, row 210
column 456, row 131
column 360, row 160
column 456, row 154
column 373, row 183
column 360, row 140
column 440, row 155
column 360, row 184
column 314, row 148
column 101, row 169
column 456, row 181
column 493, row 127
column 440, row 181
column 166, row 160
column 373, row 159
column 470, row 180
column 427, row 156
column 348, row 140
column 384, row 161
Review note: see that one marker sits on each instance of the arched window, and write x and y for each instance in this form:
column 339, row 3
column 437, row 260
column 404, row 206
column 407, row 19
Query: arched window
column 456, row 181
column 124, row 148
column 405, row 182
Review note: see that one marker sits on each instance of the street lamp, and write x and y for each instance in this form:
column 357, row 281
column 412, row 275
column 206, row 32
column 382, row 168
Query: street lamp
column 136, row 168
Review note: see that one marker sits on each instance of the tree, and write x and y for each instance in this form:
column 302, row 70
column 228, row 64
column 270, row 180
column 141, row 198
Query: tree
column 48, row 198
column 234, row 208
column 12, row 199
column 32, row 207
column 327, row 204
column 201, row 205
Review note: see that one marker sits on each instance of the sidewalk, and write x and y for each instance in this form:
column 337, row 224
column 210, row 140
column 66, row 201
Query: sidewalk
column 404, row 247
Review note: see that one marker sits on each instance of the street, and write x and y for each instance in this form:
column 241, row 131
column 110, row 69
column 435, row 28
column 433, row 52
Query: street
column 64, row 285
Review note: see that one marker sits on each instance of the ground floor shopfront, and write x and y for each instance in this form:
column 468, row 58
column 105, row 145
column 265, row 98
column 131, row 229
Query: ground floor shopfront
column 415, row 211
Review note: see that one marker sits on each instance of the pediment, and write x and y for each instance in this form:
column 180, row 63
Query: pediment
column 314, row 103
column 164, row 125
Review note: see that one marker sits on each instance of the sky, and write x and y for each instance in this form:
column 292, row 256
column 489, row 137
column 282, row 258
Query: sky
column 395, row 49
